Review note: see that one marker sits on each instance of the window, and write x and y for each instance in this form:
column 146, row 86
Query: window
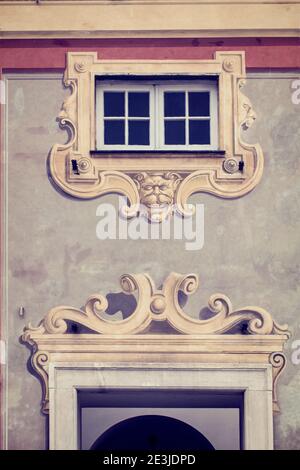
column 166, row 115
column 126, row 117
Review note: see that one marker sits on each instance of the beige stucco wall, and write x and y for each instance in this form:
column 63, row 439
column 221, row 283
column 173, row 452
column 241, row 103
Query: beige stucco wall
column 110, row 18
column 251, row 249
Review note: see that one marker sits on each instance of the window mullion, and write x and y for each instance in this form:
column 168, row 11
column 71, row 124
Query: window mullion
column 126, row 118
column 157, row 117
column 187, row 139
column 102, row 116
column 199, row 118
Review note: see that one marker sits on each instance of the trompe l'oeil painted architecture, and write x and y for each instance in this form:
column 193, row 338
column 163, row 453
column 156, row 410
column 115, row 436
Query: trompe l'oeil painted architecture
column 102, row 99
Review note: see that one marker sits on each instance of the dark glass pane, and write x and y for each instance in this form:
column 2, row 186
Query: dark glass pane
column 199, row 132
column 174, row 132
column 138, row 132
column 174, row 103
column 138, row 104
column 198, row 103
column 114, row 103
column 114, row 132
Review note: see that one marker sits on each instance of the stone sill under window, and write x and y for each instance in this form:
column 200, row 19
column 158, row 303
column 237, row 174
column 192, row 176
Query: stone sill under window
column 158, row 153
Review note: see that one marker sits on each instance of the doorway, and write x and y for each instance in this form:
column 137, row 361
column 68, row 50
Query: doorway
column 131, row 419
column 152, row 433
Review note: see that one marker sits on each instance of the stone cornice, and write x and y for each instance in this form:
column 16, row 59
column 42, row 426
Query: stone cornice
column 145, row 18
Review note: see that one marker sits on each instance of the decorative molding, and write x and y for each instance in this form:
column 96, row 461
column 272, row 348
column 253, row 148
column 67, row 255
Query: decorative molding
column 116, row 172
column 278, row 361
column 231, row 165
column 159, row 305
column 182, row 374
column 101, row 18
column 139, row 2
column 157, row 192
column 248, row 334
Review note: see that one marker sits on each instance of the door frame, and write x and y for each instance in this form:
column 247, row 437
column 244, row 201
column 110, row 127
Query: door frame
column 66, row 379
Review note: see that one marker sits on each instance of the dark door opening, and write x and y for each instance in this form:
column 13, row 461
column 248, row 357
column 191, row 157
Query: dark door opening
column 218, row 416
column 152, row 433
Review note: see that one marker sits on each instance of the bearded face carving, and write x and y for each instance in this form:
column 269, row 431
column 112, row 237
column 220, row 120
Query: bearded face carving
column 157, row 192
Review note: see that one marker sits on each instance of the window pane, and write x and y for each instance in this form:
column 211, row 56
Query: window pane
column 199, row 132
column 138, row 104
column 174, row 132
column 114, row 103
column 199, row 103
column 138, row 132
column 174, row 103
column 114, row 132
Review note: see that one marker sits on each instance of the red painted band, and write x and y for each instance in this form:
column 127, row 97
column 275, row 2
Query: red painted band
column 261, row 53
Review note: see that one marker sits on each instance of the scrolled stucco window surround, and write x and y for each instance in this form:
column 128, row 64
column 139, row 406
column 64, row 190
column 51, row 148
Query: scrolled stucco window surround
column 234, row 349
column 81, row 170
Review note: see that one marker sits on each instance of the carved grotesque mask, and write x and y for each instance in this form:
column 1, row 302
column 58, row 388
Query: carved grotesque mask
column 157, row 192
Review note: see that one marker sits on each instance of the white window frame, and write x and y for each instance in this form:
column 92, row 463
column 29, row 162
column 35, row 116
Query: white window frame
column 156, row 91
column 122, row 87
column 202, row 86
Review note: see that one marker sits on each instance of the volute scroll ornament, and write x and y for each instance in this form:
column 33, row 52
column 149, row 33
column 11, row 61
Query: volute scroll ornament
column 229, row 335
column 80, row 170
column 150, row 302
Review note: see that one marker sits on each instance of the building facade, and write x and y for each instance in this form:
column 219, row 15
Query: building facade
column 243, row 243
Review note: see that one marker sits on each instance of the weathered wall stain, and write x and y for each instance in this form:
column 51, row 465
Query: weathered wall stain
column 290, row 439
column 28, row 272
column 38, row 130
